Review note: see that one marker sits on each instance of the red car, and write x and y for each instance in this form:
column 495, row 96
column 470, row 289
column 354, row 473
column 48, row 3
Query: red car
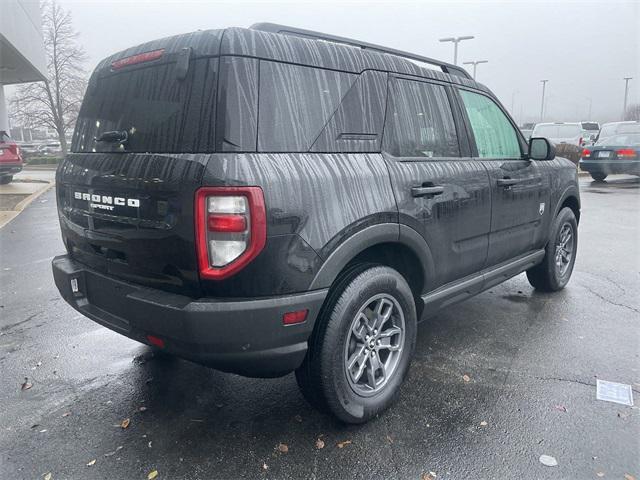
column 10, row 158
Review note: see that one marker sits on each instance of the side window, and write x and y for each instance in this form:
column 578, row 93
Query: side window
column 419, row 121
column 295, row 103
column 494, row 134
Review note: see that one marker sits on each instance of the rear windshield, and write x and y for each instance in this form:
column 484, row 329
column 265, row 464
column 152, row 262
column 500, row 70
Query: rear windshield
column 557, row 131
column 629, row 140
column 159, row 112
column 618, row 128
column 591, row 126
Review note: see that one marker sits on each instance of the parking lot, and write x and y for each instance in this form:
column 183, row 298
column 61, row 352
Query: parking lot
column 496, row 382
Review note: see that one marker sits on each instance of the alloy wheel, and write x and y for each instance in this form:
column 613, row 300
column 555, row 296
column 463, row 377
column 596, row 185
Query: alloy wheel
column 374, row 345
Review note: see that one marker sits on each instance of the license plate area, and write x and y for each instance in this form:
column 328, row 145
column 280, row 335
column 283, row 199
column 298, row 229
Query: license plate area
column 604, row 154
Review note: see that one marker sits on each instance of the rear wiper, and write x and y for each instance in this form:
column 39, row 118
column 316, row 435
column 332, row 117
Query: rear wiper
column 116, row 136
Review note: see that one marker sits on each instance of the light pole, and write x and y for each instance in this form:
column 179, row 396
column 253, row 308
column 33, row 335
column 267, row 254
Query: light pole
column 455, row 41
column 544, row 85
column 626, row 96
column 513, row 100
column 475, row 65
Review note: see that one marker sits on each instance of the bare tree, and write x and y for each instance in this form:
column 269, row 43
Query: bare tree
column 633, row 112
column 56, row 102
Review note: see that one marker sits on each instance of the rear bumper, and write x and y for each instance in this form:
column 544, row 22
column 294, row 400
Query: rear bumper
column 10, row 168
column 611, row 166
column 246, row 337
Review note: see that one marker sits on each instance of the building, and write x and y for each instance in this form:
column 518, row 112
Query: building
column 22, row 56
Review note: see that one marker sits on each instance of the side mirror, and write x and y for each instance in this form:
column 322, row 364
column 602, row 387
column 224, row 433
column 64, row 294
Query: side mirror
column 541, row 149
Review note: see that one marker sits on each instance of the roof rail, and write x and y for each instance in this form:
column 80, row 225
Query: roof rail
column 300, row 32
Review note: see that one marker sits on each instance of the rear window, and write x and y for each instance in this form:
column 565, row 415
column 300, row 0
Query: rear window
column 619, row 128
column 628, row 140
column 160, row 113
column 591, row 126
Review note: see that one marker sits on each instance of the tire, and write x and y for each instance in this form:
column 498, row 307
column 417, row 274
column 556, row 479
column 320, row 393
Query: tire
column 6, row 179
column 548, row 276
column 598, row 176
column 341, row 335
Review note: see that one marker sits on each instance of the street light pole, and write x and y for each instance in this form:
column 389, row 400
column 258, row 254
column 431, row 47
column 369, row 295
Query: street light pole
column 455, row 41
column 475, row 65
column 544, row 85
column 626, row 96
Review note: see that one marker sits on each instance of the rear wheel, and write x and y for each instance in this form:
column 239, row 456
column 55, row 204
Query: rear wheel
column 598, row 176
column 6, row 179
column 555, row 270
column 362, row 345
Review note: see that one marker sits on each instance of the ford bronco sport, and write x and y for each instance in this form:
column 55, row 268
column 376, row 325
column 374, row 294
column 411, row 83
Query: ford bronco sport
column 270, row 199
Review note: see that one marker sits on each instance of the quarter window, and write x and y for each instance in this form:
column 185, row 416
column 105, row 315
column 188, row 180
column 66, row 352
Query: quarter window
column 494, row 134
column 419, row 121
column 296, row 103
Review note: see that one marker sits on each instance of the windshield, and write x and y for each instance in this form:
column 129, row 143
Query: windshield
column 158, row 112
column 591, row 126
column 557, row 131
column 629, row 140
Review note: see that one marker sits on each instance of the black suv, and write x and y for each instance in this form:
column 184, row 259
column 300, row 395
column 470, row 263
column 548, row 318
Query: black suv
column 272, row 199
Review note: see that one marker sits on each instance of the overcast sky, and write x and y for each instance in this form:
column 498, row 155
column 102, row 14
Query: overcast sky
column 583, row 48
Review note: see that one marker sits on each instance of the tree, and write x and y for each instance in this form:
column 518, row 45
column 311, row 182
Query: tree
column 633, row 112
column 56, row 102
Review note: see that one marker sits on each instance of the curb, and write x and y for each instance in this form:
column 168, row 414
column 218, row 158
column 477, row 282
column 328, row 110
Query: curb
column 25, row 203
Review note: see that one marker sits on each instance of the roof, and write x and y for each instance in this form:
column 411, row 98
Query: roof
column 330, row 52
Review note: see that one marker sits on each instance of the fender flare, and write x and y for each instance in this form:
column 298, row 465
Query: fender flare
column 368, row 237
column 570, row 191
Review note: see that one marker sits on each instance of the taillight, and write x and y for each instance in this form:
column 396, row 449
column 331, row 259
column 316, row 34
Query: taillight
column 231, row 229
column 626, row 153
column 135, row 59
column 586, row 153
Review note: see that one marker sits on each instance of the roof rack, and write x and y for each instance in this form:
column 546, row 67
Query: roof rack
column 300, row 32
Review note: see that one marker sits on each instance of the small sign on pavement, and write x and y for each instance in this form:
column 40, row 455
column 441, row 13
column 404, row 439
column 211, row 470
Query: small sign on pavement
column 614, row 392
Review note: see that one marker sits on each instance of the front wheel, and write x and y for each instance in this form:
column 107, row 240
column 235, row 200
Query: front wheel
column 4, row 180
column 560, row 255
column 362, row 345
column 598, row 176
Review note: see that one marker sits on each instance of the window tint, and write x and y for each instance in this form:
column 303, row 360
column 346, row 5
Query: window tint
column 419, row 121
column 495, row 136
column 159, row 112
column 295, row 103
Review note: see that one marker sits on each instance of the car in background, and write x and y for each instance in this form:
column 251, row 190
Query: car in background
column 51, row 148
column 614, row 154
column 590, row 132
column 526, row 132
column 28, row 149
column 10, row 158
column 617, row 128
column 566, row 136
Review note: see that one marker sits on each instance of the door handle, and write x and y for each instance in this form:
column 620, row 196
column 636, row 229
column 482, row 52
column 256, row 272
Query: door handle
column 507, row 182
column 427, row 191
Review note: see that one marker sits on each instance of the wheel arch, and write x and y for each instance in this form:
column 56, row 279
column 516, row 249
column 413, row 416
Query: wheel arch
column 570, row 198
column 392, row 244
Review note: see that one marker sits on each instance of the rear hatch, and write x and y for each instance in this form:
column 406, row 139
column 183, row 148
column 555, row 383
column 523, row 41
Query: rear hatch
column 126, row 202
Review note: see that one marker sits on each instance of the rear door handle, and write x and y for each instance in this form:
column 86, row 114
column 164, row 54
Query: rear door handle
column 427, row 191
column 507, row 182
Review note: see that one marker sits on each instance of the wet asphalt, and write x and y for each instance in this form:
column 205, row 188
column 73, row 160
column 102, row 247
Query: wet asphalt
column 531, row 359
